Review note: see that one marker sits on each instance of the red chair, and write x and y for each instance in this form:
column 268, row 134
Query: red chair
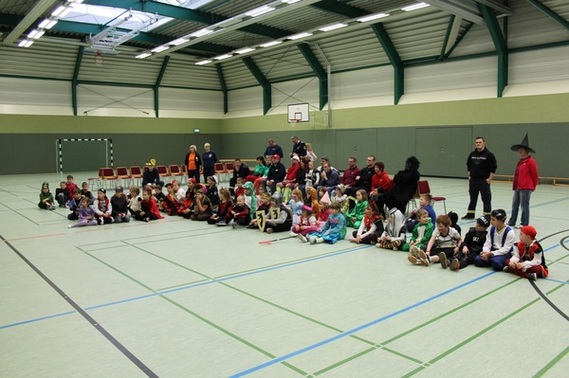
column 122, row 174
column 163, row 171
column 424, row 188
column 228, row 169
column 110, row 176
column 98, row 180
column 184, row 177
column 136, row 174
column 175, row 171
column 219, row 170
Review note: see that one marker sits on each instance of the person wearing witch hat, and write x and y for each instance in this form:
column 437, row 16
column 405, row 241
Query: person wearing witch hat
column 526, row 179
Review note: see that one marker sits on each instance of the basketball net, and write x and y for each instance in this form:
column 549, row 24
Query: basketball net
column 99, row 58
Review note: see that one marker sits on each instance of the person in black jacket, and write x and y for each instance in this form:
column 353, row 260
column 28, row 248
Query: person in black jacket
column 240, row 169
column 277, row 172
column 405, row 185
column 481, row 165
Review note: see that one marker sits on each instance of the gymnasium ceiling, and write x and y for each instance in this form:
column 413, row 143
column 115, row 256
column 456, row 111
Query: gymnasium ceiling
column 447, row 29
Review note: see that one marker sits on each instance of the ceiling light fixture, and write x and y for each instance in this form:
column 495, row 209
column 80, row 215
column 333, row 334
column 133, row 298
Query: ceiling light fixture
column 178, row 41
column 372, row 17
column 299, row 36
column 272, row 43
column 333, row 27
column 201, row 33
column 415, row 7
column 25, row 43
column 47, row 24
column 143, row 55
column 259, row 11
column 203, row 62
column 290, row 1
column 160, row 48
column 224, row 56
column 245, row 50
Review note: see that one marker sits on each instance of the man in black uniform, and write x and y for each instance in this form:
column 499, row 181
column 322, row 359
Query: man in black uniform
column 298, row 148
column 481, row 165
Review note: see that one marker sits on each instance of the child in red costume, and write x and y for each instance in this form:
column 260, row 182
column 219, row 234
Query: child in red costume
column 527, row 261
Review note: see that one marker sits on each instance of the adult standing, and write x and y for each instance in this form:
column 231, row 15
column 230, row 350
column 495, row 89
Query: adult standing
column 209, row 158
column 273, row 149
column 526, row 179
column 193, row 163
column 481, row 166
column 298, row 147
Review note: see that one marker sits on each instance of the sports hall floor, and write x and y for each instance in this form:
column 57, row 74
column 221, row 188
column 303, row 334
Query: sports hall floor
column 176, row 298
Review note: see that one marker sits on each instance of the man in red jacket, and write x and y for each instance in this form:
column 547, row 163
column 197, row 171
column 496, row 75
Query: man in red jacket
column 526, row 179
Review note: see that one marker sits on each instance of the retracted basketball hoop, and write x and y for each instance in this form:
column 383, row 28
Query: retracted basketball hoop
column 99, row 58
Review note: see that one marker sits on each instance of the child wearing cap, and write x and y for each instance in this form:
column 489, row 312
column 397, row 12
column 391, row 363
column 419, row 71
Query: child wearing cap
column 472, row 245
column 528, row 260
column 119, row 206
column 370, row 228
column 103, row 208
column 499, row 243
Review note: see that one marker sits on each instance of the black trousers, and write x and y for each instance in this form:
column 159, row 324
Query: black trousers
column 479, row 186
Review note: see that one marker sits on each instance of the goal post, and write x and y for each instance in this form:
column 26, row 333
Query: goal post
column 90, row 154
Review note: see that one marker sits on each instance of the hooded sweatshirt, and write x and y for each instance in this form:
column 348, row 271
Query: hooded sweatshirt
column 250, row 198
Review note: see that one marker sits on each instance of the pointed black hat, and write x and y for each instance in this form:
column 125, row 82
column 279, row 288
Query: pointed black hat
column 523, row 144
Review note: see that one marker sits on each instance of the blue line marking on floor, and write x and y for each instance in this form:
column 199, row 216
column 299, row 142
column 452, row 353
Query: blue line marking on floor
column 38, row 319
column 357, row 329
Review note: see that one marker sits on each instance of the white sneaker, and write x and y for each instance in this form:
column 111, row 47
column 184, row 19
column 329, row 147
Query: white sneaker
column 312, row 239
column 302, row 238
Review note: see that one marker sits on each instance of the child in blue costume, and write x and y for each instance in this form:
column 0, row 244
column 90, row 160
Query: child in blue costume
column 333, row 230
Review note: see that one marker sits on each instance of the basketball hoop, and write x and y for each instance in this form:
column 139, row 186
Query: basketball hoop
column 293, row 120
column 99, row 58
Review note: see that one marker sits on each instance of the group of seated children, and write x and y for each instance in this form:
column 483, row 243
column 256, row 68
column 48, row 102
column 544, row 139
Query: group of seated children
column 117, row 209
column 320, row 218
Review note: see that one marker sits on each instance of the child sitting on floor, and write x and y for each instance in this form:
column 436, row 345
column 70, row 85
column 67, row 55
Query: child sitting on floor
column 202, row 207
column 444, row 245
column 333, row 230
column 528, row 260
column 472, row 244
column 355, row 215
column 86, row 214
column 222, row 215
column 46, row 198
column 370, row 228
column 295, row 205
column 239, row 213
column 394, row 234
column 422, row 231
column 279, row 217
column 148, row 207
column 306, row 224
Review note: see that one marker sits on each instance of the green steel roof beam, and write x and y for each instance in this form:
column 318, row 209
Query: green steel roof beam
column 254, row 69
column 500, row 45
column 157, row 85
column 453, row 24
column 340, row 8
column 459, row 39
column 75, row 78
column 394, row 58
column 318, row 70
column 223, row 87
column 554, row 16
column 160, row 8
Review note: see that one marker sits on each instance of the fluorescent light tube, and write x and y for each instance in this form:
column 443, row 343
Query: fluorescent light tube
column 372, row 17
column 143, row 55
column 245, row 50
column 415, row 7
column 299, row 36
column 272, row 43
column 333, row 27
column 203, row 62
column 160, row 48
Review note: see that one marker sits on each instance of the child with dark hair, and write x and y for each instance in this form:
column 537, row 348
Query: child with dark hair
column 86, row 192
column 444, row 244
column 212, row 193
column 119, row 205
column 454, row 221
column 61, row 195
column 46, row 198
column 333, row 230
column 103, row 207
column 370, row 228
column 202, row 207
column 528, row 260
column 86, row 215
column 222, row 216
column 75, row 204
column 169, row 205
column 148, row 207
column 499, row 243
column 472, row 245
